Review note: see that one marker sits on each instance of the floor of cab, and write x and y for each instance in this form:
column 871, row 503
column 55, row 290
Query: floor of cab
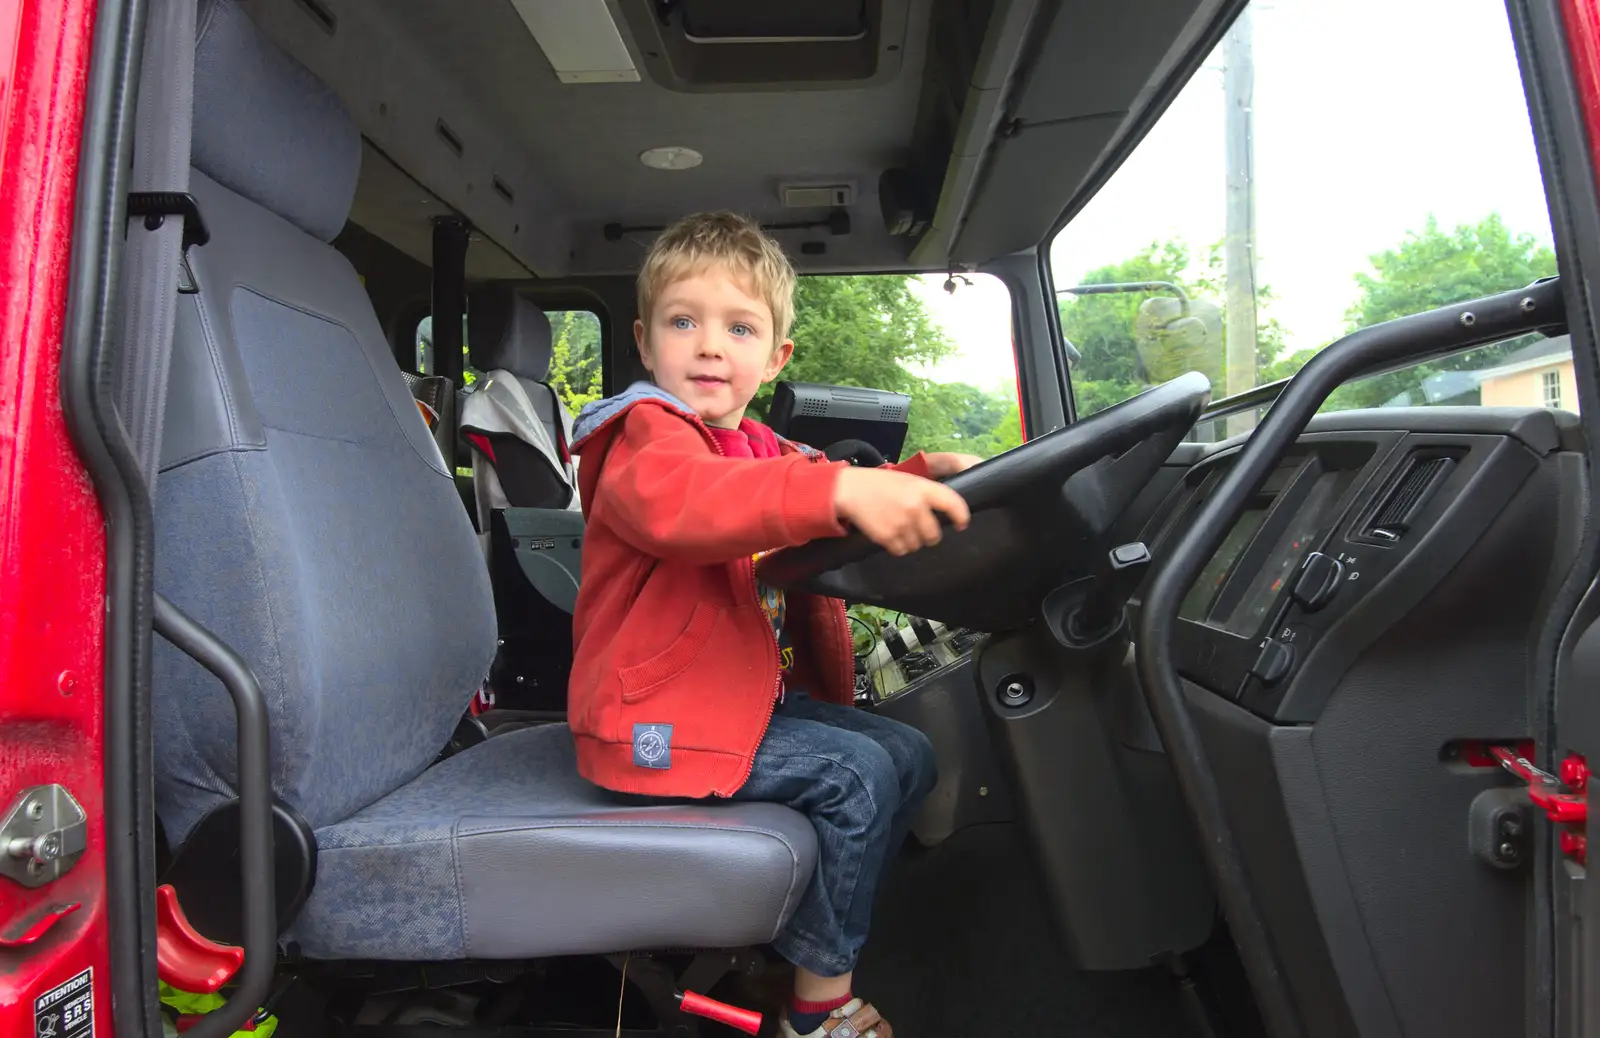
column 962, row 946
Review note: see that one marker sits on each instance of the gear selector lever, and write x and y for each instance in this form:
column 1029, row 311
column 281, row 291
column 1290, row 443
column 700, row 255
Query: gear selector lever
column 1100, row 612
column 1114, row 581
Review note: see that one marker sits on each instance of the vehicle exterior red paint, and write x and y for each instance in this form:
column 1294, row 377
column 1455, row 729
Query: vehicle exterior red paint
column 52, row 540
column 1582, row 21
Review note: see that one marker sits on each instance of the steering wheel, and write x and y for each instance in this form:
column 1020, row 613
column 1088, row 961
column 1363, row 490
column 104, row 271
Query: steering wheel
column 1041, row 514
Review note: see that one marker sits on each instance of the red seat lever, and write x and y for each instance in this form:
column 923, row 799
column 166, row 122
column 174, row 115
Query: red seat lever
column 744, row 1020
column 184, row 958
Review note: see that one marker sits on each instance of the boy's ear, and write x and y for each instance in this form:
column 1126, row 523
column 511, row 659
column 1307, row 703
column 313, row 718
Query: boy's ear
column 644, row 351
column 779, row 358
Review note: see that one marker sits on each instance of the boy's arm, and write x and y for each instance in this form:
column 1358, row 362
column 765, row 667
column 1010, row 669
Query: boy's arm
column 666, row 495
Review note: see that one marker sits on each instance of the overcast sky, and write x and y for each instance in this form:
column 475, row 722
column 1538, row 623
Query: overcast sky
column 1369, row 115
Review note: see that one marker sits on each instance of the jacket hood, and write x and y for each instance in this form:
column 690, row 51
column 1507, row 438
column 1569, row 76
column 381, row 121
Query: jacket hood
column 596, row 416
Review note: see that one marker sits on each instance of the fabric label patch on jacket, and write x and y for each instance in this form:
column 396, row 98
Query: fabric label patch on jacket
column 652, row 746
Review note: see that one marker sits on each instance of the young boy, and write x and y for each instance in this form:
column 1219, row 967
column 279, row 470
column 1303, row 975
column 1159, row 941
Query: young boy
column 690, row 679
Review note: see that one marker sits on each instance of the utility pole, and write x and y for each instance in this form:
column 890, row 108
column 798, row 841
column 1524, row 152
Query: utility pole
column 1239, row 250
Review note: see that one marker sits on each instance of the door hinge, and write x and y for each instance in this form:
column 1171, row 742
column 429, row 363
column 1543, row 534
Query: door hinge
column 43, row 836
column 1564, row 800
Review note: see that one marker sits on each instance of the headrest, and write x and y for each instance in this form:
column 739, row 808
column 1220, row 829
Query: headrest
column 266, row 128
column 505, row 330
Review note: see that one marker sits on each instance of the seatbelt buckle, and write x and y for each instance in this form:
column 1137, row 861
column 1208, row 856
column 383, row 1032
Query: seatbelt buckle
column 155, row 207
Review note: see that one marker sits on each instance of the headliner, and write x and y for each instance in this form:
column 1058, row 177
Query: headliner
column 1008, row 132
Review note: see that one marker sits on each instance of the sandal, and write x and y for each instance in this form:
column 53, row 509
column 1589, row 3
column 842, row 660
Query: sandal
column 855, row 1019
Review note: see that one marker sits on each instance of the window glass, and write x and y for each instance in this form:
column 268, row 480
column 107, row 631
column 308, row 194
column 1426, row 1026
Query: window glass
column 945, row 342
column 575, row 340
column 424, row 359
column 1311, row 179
column 1527, row 371
column 1551, row 383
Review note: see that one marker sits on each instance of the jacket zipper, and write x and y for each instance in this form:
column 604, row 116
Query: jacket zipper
column 777, row 687
column 777, row 680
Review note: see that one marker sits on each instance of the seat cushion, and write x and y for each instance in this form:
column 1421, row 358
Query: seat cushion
column 504, row 852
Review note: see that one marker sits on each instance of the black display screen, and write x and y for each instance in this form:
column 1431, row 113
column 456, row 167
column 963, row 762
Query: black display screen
column 1197, row 603
column 1288, row 552
column 1247, row 575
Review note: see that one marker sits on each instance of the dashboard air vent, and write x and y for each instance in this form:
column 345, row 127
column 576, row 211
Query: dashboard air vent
column 1419, row 477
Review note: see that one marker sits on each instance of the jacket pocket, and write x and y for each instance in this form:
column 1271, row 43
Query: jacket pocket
column 640, row 679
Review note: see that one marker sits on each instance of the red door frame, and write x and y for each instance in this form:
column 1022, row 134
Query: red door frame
column 52, row 538
column 52, row 535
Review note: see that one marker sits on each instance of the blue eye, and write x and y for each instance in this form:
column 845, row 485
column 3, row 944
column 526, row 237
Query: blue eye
column 683, row 324
column 742, row 330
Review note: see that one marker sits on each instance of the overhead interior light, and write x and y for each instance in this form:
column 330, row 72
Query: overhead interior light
column 579, row 39
column 671, row 157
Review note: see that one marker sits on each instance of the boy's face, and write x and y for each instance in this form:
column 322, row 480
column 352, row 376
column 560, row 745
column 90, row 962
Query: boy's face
column 710, row 344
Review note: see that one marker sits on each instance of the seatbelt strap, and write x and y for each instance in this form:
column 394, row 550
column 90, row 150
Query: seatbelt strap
column 153, row 257
column 559, row 412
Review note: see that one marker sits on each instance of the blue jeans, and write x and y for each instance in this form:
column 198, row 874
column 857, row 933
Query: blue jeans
column 860, row 778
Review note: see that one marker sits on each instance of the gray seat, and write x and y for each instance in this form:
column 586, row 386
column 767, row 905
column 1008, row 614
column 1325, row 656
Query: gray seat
column 296, row 474
column 514, row 421
column 508, row 332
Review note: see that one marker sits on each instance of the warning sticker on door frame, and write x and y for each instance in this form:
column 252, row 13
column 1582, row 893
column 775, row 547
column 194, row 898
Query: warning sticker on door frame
column 66, row 1010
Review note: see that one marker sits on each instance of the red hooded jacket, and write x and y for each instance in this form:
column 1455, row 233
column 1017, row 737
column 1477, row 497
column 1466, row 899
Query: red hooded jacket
column 675, row 672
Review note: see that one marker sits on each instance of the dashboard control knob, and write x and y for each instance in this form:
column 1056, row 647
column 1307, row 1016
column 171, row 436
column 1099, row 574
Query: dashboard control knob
column 1274, row 662
column 1318, row 582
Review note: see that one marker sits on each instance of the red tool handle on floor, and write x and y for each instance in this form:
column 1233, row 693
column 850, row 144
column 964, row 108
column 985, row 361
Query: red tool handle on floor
column 740, row 1019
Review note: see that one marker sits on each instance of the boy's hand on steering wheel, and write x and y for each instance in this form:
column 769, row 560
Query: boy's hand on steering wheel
column 948, row 463
column 895, row 510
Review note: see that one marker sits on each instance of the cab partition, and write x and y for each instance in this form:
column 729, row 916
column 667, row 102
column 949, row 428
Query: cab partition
column 1115, row 850
column 534, row 567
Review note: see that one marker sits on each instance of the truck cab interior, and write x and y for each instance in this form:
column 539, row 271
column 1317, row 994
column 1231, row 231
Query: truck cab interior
column 1256, row 711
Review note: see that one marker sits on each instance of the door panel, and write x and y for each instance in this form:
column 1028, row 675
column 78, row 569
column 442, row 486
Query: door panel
column 52, row 539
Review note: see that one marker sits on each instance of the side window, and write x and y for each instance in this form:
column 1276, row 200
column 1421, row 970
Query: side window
column 944, row 342
column 1285, row 199
column 575, row 339
column 424, row 359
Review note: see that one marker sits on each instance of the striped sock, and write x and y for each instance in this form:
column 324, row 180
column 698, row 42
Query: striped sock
column 806, row 1017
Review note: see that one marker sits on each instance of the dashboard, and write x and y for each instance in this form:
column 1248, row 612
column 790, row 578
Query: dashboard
column 1357, row 520
column 1376, row 604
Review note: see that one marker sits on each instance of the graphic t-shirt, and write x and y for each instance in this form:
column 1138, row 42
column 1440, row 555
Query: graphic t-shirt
column 754, row 440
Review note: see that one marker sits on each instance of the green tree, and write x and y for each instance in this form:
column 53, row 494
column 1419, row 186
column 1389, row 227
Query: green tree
column 575, row 357
column 1433, row 268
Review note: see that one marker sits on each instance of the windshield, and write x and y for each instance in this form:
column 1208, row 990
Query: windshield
column 1314, row 177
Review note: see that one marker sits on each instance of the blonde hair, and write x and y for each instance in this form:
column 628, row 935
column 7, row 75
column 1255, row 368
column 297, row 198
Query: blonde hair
column 704, row 240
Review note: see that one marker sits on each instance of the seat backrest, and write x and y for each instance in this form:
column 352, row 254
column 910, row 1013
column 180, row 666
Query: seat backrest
column 304, row 513
column 514, row 422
